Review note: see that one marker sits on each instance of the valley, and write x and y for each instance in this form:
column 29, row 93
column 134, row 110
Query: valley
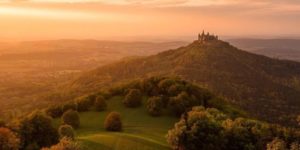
column 283, row 48
column 31, row 71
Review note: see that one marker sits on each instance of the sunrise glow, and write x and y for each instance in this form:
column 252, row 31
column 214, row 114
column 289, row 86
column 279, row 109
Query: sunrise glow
column 56, row 18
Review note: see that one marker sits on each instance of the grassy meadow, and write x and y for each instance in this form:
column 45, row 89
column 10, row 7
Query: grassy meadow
column 140, row 130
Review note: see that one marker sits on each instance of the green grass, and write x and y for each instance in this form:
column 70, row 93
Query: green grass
column 140, row 130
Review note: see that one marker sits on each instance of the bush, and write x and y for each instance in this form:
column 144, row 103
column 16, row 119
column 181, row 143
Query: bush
column 133, row 98
column 36, row 129
column 8, row 140
column 155, row 106
column 65, row 144
column 113, row 122
column 100, row 103
column 66, row 131
column 71, row 118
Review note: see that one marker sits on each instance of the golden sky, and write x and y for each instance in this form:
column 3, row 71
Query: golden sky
column 108, row 19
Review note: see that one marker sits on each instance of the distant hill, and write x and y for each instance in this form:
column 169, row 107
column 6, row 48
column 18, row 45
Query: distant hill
column 30, row 69
column 276, row 48
column 266, row 88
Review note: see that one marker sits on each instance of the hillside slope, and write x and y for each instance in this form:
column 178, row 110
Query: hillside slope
column 266, row 88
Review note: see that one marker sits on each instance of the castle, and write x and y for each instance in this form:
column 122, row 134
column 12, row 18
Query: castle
column 206, row 37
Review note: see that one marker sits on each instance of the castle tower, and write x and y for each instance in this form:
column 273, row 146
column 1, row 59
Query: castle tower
column 205, row 37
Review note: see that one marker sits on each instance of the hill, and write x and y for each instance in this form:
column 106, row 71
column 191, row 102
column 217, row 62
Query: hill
column 141, row 129
column 268, row 89
column 29, row 70
column 168, row 113
column 276, row 48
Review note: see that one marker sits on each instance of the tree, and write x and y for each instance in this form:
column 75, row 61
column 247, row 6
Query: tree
column 65, row 144
column 66, row 131
column 54, row 111
column 298, row 120
column 36, row 129
column 277, row 144
column 295, row 146
column 180, row 103
column 100, row 103
column 84, row 103
column 70, row 105
column 71, row 118
column 133, row 98
column 175, row 89
column 2, row 123
column 244, row 134
column 8, row 140
column 155, row 106
column 164, row 85
column 197, row 129
column 113, row 122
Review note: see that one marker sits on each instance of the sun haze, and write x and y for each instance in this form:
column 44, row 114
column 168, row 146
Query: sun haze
column 99, row 19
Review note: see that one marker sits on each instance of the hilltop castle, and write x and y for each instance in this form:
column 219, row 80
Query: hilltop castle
column 206, row 37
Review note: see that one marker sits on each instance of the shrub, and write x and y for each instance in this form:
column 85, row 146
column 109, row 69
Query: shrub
column 36, row 129
column 100, row 103
column 155, row 106
column 113, row 122
column 66, row 131
column 133, row 98
column 71, row 118
column 8, row 140
column 65, row 144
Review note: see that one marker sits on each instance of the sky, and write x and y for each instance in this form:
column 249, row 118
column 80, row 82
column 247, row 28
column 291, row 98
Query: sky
column 125, row 19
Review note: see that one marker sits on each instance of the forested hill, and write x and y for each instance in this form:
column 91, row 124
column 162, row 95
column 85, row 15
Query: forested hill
column 267, row 88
